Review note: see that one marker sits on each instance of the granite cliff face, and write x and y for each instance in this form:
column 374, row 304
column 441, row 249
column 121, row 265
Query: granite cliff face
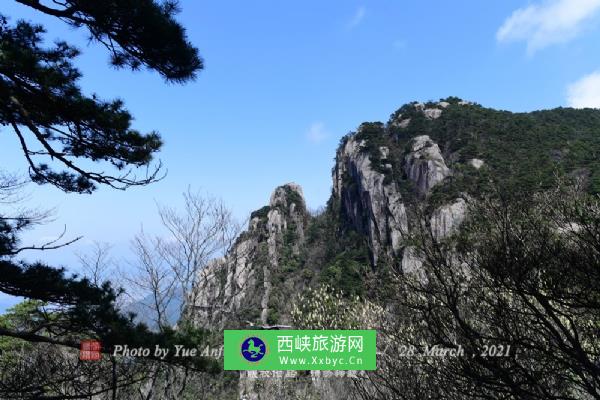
column 372, row 206
column 373, row 203
column 236, row 291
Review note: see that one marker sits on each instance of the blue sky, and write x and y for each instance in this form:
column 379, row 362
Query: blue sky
column 285, row 80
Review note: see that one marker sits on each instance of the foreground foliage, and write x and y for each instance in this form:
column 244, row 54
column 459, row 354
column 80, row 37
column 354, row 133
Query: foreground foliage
column 523, row 273
column 64, row 135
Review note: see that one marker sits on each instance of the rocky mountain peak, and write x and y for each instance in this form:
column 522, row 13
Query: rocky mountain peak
column 243, row 278
column 288, row 195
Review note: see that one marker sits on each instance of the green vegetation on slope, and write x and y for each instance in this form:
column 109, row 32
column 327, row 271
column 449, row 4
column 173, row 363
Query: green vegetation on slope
column 521, row 151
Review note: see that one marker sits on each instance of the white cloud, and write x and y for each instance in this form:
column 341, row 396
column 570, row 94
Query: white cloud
column 317, row 133
column 357, row 18
column 585, row 92
column 552, row 22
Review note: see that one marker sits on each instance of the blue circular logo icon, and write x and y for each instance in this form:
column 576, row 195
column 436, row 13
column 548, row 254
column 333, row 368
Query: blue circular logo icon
column 253, row 349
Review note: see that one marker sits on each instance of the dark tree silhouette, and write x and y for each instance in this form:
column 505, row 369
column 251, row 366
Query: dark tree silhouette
column 52, row 119
column 60, row 131
column 522, row 277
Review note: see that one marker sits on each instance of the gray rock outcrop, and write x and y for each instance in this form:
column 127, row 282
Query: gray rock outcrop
column 432, row 113
column 424, row 164
column 446, row 219
column 476, row 163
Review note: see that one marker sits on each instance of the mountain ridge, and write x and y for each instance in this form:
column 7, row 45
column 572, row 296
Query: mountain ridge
column 436, row 157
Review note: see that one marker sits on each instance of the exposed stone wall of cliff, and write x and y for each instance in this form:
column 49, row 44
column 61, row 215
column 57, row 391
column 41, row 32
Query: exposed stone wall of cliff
column 373, row 206
column 372, row 200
